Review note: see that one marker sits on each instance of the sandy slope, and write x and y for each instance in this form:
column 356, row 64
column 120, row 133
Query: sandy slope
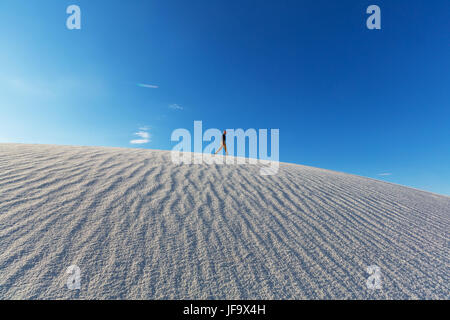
column 139, row 226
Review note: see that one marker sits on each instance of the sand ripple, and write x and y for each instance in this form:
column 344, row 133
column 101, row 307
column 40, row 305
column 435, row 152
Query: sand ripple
column 140, row 227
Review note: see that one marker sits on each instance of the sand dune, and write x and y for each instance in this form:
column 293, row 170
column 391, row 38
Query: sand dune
column 140, row 227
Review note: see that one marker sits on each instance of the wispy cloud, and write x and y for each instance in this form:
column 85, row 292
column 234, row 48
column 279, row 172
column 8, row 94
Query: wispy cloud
column 175, row 107
column 143, row 135
column 53, row 87
column 385, row 174
column 27, row 87
column 151, row 86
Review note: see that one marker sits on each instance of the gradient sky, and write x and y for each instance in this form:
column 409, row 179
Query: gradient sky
column 374, row 103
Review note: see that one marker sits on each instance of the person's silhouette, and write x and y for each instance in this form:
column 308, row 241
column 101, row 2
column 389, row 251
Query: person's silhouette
column 224, row 144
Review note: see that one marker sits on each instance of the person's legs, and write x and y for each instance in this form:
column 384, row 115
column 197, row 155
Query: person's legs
column 225, row 147
column 219, row 149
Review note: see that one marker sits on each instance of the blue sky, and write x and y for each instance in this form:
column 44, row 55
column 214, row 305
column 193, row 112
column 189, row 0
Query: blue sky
column 345, row 98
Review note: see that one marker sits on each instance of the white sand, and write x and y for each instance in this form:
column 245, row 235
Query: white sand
column 140, row 227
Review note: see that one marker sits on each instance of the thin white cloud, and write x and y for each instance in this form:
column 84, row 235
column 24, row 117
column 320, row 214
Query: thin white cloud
column 59, row 86
column 385, row 174
column 139, row 141
column 175, row 107
column 151, row 86
column 143, row 134
column 27, row 86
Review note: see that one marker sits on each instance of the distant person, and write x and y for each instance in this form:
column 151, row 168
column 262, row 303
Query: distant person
column 224, row 144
